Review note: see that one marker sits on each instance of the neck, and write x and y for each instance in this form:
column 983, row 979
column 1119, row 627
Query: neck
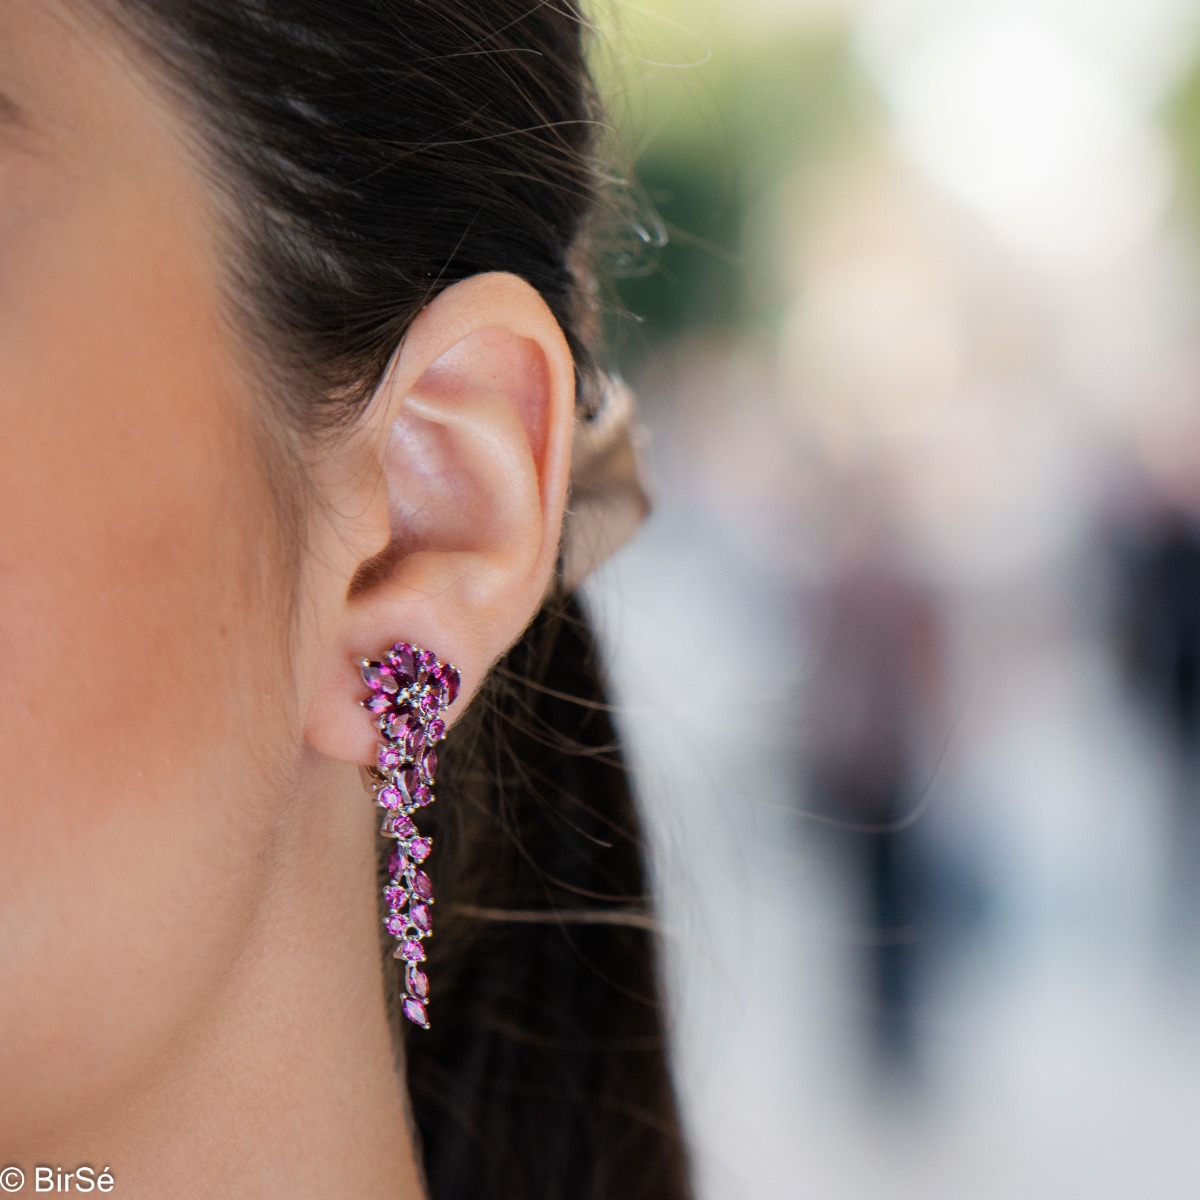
column 287, row 1085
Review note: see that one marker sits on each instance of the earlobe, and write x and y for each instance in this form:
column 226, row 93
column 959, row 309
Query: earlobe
column 458, row 523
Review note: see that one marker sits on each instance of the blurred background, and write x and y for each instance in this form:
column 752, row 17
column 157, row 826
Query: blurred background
column 908, row 655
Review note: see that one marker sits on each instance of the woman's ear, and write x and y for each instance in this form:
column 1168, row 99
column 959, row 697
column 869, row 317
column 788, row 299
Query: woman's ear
column 446, row 503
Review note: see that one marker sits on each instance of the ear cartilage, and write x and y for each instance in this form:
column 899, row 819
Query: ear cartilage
column 409, row 688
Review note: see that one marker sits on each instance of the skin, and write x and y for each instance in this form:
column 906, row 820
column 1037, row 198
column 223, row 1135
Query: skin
column 191, row 989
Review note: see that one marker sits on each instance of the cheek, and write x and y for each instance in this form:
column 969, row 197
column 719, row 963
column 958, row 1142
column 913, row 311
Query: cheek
column 136, row 644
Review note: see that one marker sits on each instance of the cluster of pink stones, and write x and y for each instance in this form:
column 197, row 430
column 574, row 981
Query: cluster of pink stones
column 409, row 688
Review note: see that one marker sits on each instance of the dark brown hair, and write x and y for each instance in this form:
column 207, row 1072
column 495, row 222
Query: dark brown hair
column 369, row 153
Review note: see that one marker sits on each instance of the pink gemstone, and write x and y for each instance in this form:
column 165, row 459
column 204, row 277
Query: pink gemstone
column 421, row 796
column 453, row 682
column 390, row 797
column 410, row 777
column 414, row 1010
column 404, row 827
column 419, row 916
column 378, row 702
column 396, row 725
column 418, row 982
column 397, row 863
column 396, row 924
column 395, row 898
column 414, row 741
column 428, row 704
column 401, row 659
column 426, row 660
column 422, row 885
column 412, row 950
column 419, row 848
column 390, row 758
column 374, row 674
column 429, row 764
column 436, row 729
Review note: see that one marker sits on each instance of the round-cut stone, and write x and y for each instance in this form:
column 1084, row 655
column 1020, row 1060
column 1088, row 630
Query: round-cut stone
column 395, row 924
column 390, row 797
column 422, row 885
column 436, row 729
column 414, row 1010
column 426, row 660
column 419, row 848
column 404, row 827
column 418, row 982
column 412, row 950
column 395, row 898
column 419, row 916
column 378, row 702
column 390, row 758
column 428, row 704
column 421, row 795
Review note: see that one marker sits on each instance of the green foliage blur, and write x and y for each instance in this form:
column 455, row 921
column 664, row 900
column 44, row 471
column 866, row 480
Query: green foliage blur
column 705, row 141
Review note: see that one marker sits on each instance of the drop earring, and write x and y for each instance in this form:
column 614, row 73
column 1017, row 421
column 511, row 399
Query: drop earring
column 409, row 688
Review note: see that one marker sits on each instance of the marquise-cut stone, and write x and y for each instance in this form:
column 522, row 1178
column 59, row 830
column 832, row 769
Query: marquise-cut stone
column 414, row 741
column 378, row 702
column 418, row 982
column 419, row 848
column 414, row 1010
column 453, row 682
column 419, row 916
column 422, row 885
column 373, row 674
column 396, row 725
column 397, row 863
column 429, row 764
column 401, row 659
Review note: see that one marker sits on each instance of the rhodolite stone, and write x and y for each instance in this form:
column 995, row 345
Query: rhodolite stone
column 419, row 916
column 428, row 704
column 390, row 758
column 404, row 827
column 395, row 924
column 395, row 725
column 427, row 660
column 390, row 797
column 394, row 897
column 429, row 764
column 412, row 950
column 414, row 1010
column 377, row 677
column 418, row 982
column 414, row 742
column 421, row 795
column 402, row 662
column 396, row 861
column 378, row 702
column 419, row 848
column 422, row 885
column 436, row 729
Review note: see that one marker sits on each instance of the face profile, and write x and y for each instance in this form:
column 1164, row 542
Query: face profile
column 289, row 377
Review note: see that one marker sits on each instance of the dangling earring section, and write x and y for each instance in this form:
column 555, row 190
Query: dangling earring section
column 409, row 688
